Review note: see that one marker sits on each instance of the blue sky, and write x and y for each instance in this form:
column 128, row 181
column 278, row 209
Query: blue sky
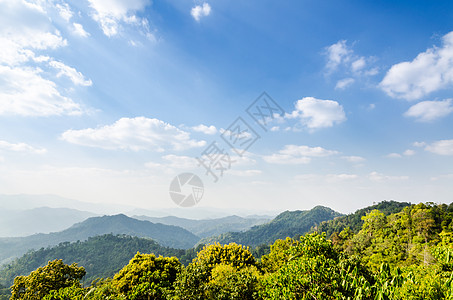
column 107, row 100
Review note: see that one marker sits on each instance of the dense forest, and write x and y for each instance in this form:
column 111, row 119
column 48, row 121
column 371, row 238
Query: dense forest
column 286, row 224
column 401, row 252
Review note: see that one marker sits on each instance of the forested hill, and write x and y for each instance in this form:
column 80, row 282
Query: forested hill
column 101, row 256
column 354, row 221
column 171, row 236
column 209, row 227
column 286, row 224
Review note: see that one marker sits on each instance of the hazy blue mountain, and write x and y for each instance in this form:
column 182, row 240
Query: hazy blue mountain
column 166, row 235
column 209, row 227
column 15, row 223
column 286, row 224
column 26, row 201
column 200, row 212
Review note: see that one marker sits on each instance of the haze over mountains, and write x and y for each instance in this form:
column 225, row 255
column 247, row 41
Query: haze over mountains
column 168, row 231
column 165, row 235
column 209, row 227
column 97, row 245
column 15, row 223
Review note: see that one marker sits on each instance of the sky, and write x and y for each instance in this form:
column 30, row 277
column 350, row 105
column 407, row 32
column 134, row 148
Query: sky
column 106, row 101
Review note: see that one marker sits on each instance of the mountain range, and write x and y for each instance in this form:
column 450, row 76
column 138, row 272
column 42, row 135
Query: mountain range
column 209, row 227
column 286, row 224
column 165, row 235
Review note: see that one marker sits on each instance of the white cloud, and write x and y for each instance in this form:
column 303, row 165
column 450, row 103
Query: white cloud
column 321, row 179
column 293, row 154
column 65, row 11
column 358, row 64
column 430, row 71
column 354, row 159
column 200, row 11
column 205, row 129
column 442, row 147
column 24, row 92
column 340, row 177
column 20, row 147
column 409, row 152
column 427, row 111
column 275, row 128
column 76, row 77
column 419, row 144
column 25, row 30
column 134, row 134
column 173, row 163
column 340, row 57
column 244, row 173
column 337, row 54
column 441, row 177
column 79, row 30
column 344, row 83
column 316, row 113
column 375, row 176
column 110, row 13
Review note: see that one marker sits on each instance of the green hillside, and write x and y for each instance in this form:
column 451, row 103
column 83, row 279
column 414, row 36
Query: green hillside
column 170, row 236
column 101, row 256
column 354, row 221
column 286, row 224
column 402, row 255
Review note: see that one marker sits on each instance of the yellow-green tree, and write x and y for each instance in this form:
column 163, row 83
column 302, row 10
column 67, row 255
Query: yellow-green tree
column 52, row 277
column 147, row 277
column 220, row 272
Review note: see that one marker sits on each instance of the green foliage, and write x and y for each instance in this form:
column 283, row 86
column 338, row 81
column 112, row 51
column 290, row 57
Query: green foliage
column 237, row 263
column 287, row 224
column 53, row 276
column 403, row 255
column 354, row 221
column 147, row 276
column 74, row 292
column 308, row 270
column 102, row 256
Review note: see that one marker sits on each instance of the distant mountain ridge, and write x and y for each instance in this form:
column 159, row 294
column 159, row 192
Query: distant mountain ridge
column 209, row 227
column 166, row 235
column 16, row 223
column 286, row 224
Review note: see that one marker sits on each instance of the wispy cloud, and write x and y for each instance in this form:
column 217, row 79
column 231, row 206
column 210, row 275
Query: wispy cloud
column 293, row 154
column 200, row 11
column 134, row 134
column 20, row 147
column 110, row 14
column 442, row 147
column 427, row 111
column 430, row 71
